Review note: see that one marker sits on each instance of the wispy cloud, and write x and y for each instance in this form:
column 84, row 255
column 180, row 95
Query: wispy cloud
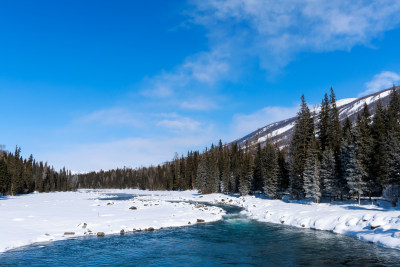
column 381, row 81
column 179, row 124
column 199, row 103
column 277, row 31
column 113, row 116
column 202, row 70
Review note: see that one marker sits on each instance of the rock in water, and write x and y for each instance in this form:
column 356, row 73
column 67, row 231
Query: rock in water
column 122, row 232
column 100, row 234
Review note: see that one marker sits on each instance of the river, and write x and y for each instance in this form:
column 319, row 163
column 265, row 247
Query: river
column 236, row 240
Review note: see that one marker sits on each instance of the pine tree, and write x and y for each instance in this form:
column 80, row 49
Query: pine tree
column 353, row 170
column 201, row 177
column 226, row 173
column 213, row 182
column 365, row 144
column 259, row 169
column 329, row 176
column 303, row 131
column 324, row 123
column 312, row 184
column 393, row 160
column 283, row 175
column 393, row 122
column 247, row 175
column 379, row 161
column 5, row 178
column 335, row 129
column 271, row 168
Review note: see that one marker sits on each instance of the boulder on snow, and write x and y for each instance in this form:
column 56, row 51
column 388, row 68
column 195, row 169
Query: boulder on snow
column 133, row 208
column 122, row 232
column 200, row 221
column 69, row 233
column 149, row 229
column 100, row 234
column 189, row 223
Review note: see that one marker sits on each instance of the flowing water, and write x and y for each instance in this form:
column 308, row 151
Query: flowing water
column 235, row 240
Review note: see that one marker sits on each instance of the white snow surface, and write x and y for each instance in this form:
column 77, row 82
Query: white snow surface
column 27, row 219
column 42, row 217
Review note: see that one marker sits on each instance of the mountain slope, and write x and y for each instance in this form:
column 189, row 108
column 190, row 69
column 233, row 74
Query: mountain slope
column 280, row 132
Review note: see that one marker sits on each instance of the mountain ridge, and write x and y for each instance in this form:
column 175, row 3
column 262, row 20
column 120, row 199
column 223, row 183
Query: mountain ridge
column 280, row 132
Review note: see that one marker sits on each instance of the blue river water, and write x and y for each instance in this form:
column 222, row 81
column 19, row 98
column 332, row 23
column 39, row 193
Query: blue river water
column 235, row 240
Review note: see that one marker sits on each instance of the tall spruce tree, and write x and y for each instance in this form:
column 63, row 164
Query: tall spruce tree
column 247, row 175
column 379, row 160
column 335, row 129
column 259, row 169
column 271, row 167
column 353, row 170
column 201, row 176
column 329, row 176
column 324, row 123
column 303, row 132
column 312, row 184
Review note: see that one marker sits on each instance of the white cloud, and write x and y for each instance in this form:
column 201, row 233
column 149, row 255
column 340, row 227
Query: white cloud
column 202, row 70
column 113, row 116
column 381, row 81
column 243, row 124
column 179, row 124
column 275, row 31
column 199, row 103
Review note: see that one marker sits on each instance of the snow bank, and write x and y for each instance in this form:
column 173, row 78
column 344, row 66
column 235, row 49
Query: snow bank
column 366, row 222
column 43, row 217
column 48, row 216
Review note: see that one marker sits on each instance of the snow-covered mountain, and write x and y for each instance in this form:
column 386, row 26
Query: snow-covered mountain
column 280, row 132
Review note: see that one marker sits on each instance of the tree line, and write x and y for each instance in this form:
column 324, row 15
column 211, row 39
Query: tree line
column 22, row 176
column 325, row 158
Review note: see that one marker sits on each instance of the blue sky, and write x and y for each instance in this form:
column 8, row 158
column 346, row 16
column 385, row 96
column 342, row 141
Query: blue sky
column 103, row 84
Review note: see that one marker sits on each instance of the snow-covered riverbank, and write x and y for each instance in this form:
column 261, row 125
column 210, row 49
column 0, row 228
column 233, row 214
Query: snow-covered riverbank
column 32, row 218
column 367, row 222
column 45, row 217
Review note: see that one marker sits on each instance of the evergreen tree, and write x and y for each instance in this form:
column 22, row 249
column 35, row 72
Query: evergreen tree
column 393, row 122
column 393, row 160
column 201, row 177
column 5, row 179
column 335, row 129
column 353, row 170
column 329, row 176
column 303, row 132
column 226, row 173
column 324, row 123
column 379, row 161
column 247, row 175
column 312, row 184
column 271, row 169
column 259, row 169
column 283, row 175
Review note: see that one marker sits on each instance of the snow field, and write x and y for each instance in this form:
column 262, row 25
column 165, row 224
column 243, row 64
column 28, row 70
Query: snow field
column 43, row 217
